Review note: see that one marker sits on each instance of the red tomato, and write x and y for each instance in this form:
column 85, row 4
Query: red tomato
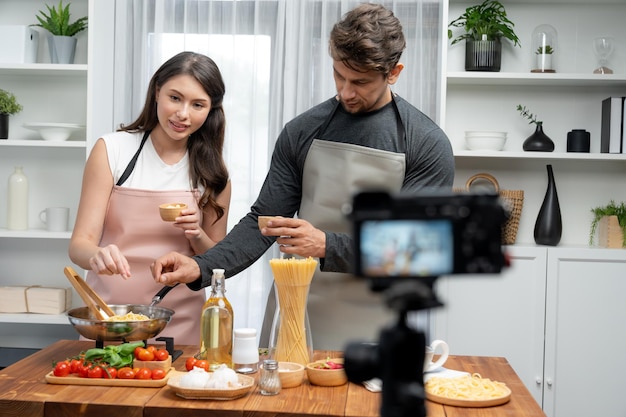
column 61, row 368
column 83, row 370
column 152, row 348
column 145, row 355
column 201, row 363
column 158, row 373
column 161, row 354
column 75, row 365
column 95, row 371
column 143, row 373
column 110, row 373
column 125, row 373
column 190, row 363
column 136, row 351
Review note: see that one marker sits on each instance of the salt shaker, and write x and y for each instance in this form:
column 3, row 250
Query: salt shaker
column 270, row 381
column 245, row 351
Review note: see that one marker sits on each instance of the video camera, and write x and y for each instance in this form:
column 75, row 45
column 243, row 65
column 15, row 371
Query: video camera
column 402, row 244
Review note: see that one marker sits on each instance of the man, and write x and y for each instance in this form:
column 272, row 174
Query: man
column 365, row 137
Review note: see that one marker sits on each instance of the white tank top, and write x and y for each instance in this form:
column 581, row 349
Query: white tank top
column 150, row 172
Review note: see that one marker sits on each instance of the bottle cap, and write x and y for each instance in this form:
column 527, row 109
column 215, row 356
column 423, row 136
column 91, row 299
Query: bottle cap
column 270, row 364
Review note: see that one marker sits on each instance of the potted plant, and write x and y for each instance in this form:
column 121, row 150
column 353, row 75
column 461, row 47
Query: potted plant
column 538, row 141
column 485, row 25
column 8, row 106
column 544, row 42
column 611, row 219
column 62, row 42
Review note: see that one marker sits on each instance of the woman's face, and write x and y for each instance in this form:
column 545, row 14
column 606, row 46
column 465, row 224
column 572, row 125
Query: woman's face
column 182, row 106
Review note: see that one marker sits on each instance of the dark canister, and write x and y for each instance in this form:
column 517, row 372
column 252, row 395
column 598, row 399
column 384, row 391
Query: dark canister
column 578, row 140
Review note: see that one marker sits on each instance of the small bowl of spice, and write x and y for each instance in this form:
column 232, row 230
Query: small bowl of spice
column 328, row 372
column 170, row 211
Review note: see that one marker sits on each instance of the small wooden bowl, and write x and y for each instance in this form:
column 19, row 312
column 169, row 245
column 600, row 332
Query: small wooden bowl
column 263, row 220
column 291, row 374
column 326, row 377
column 170, row 211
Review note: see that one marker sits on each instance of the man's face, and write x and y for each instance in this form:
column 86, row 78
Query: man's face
column 362, row 92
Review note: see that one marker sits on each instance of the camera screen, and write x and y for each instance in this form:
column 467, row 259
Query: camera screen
column 406, row 247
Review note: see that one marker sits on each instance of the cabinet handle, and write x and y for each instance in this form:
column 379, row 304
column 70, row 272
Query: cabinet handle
column 549, row 382
column 538, row 381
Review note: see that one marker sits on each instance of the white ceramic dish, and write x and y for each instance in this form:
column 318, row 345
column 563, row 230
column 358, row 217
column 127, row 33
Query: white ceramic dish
column 485, row 140
column 54, row 131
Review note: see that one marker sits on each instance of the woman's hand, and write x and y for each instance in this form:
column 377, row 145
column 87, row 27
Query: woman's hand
column 110, row 261
column 189, row 222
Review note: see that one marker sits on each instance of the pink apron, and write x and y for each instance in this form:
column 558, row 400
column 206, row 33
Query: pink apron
column 133, row 223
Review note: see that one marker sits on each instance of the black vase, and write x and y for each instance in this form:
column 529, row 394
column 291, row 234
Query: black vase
column 483, row 55
column 548, row 227
column 4, row 126
column 538, row 141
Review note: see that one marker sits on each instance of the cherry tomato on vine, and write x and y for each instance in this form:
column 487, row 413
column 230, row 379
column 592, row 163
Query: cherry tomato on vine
column 161, row 354
column 75, row 365
column 61, row 368
column 190, row 363
column 110, row 373
column 95, row 371
column 83, row 369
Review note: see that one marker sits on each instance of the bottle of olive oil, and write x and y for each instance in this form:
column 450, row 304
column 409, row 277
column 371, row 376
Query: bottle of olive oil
column 216, row 325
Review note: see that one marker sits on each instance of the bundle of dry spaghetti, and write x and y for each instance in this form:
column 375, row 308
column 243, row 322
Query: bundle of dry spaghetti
column 292, row 278
column 469, row 387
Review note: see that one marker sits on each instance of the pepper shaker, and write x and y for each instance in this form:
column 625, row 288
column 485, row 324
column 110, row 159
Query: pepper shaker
column 270, row 381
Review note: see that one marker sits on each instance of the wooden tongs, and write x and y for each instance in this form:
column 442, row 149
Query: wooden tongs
column 96, row 304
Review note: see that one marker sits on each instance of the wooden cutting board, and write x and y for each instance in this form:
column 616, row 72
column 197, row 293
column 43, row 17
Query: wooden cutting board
column 76, row 380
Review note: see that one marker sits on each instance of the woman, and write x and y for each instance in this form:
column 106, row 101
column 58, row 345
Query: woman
column 172, row 153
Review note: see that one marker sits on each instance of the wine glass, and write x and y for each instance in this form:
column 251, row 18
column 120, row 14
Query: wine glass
column 603, row 48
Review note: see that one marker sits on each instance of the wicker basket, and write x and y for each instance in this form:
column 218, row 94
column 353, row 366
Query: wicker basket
column 512, row 200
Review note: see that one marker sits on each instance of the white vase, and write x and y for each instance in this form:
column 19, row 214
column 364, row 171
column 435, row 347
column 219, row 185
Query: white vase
column 544, row 62
column 17, row 201
column 62, row 49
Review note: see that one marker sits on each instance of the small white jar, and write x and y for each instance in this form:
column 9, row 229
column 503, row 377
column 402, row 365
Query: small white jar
column 245, row 351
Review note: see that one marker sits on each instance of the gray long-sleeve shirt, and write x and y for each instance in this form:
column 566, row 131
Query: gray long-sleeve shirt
column 429, row 163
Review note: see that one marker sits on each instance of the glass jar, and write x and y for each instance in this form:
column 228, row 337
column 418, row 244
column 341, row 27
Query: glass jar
column 544, row 48
column 216, row 325
column 270, row 381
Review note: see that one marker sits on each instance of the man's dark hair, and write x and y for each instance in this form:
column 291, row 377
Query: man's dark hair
column 368, row 38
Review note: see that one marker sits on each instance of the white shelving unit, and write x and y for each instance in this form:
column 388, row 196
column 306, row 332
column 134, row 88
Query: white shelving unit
column 54, row 93
column 532, row 314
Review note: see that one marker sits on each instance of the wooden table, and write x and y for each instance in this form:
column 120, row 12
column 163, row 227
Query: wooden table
column 25, row 393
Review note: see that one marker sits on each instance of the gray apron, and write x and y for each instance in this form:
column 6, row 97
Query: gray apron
column 340, row 306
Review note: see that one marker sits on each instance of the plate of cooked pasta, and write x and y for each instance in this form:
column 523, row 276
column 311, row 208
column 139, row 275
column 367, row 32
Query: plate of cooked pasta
column 467, row 391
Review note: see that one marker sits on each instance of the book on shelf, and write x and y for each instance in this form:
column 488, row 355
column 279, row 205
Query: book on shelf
column 611, row 135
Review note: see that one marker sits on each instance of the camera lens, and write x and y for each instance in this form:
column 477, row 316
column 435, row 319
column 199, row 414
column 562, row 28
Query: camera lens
column 361, row 361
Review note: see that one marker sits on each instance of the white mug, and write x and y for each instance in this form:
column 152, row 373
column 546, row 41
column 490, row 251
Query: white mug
column 56, row 219
column 429, row 365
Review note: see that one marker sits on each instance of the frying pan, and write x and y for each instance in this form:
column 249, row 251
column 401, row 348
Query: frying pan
column 88, row 325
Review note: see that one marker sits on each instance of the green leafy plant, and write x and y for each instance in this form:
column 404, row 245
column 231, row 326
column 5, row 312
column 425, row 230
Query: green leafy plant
column 57, row 21
column 528, row 115
column 8, row 103
column 611, row 209
column 548, row 50
column 486, row 21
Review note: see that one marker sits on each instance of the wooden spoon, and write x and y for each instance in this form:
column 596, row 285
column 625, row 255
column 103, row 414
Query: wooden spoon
column 96, row 304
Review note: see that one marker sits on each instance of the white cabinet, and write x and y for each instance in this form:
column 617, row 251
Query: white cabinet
column 568, row 99
column 557, row 315
column 49, row 93
column 498, row 315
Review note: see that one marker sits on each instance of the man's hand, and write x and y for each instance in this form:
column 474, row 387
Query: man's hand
column 297, row 237
column 174, row 268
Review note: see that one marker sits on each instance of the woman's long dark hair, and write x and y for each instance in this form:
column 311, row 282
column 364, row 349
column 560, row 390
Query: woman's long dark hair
column 205, row 146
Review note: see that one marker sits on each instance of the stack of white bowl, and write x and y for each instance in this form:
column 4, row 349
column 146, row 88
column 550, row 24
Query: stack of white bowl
column 485, row 140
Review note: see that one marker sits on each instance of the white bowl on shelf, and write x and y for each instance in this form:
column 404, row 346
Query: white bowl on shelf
column 53, row 131
column 485, row 140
